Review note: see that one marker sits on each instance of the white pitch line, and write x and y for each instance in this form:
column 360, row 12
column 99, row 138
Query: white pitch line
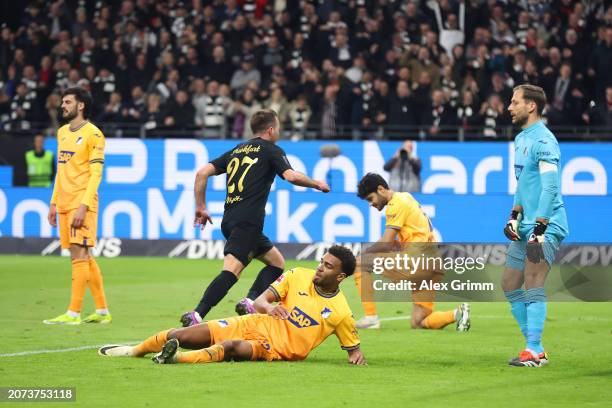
column 49, row 351
column 382, row 319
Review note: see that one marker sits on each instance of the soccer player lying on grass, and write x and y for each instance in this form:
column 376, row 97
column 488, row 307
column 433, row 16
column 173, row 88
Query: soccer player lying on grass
column 311, row 307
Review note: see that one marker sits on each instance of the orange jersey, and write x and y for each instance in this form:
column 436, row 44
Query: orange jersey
column 404, row 214
column 313, row 317
column 80, row 159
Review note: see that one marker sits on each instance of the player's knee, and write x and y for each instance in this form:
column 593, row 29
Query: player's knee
column 229, row 348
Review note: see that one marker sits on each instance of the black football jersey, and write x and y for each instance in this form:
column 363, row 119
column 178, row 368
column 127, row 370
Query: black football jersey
column 251, row 167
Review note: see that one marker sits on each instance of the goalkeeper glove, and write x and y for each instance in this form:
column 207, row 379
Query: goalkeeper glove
column 535, row 251
column 511, row 228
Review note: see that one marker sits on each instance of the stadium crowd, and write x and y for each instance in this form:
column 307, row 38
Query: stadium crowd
column 331, row 69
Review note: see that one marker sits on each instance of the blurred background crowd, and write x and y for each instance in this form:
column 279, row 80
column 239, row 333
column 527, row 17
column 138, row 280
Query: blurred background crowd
column 331, row 69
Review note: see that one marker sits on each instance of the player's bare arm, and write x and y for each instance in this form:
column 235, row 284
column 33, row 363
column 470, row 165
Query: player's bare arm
column 264, row 304
column 356, row 357
column 300, row 179
column 52, row 216
column 388, row 237
column 201, row 214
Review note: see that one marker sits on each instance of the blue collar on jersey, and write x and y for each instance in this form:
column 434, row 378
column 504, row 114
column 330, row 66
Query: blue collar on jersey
column 533, row 127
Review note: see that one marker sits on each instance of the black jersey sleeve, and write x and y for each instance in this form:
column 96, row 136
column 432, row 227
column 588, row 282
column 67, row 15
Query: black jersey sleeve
column 279, row 161
column 220, row 163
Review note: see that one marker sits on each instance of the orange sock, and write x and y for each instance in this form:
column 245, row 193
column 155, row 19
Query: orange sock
column 210, row 354
column 80, row 276
column 369, row 308
column 439, row 320
column 153, row 344
column 96, row 284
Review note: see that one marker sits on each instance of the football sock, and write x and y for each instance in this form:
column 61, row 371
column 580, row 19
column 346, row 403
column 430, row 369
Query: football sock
column 210, row 354
column 80, row 276
column 536, row 315
column 519, row 308
column 369, row 308
column 96, row 285
column 153, row 344
column 439, row 320
column 265, row 277
column 216, row 291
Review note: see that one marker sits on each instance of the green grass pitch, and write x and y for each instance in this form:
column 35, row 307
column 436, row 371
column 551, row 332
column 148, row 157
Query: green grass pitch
column 406, row 367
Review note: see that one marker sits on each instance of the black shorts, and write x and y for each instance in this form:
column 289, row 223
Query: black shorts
column 245, row 241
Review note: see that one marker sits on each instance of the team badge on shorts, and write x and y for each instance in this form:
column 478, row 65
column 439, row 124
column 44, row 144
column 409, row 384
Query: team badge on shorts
column 223, row 323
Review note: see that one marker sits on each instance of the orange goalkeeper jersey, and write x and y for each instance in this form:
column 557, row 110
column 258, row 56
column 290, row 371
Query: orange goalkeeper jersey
column 405, row 214
column 313, row 316
column 80, row 159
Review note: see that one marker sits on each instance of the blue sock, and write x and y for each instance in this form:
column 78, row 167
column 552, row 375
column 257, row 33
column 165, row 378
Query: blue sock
column 536, row 315
column 519, row 308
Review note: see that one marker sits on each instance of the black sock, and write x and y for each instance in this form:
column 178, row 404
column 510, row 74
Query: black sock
column 265, row 277
column 216, row 291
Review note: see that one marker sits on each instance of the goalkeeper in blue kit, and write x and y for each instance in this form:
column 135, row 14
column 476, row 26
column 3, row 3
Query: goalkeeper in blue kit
column 537, row 224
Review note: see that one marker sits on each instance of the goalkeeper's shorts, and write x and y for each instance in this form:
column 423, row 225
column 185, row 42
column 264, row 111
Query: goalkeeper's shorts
column 517, row 252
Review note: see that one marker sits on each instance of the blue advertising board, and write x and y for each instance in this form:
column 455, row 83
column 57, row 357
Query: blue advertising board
column 147, row 192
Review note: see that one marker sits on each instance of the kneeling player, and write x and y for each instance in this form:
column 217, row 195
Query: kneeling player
column 311, row 307
column 406, row 223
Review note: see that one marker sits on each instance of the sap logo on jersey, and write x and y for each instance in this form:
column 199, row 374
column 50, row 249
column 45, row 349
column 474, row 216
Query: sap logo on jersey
column 300, row 319
column 64, row 156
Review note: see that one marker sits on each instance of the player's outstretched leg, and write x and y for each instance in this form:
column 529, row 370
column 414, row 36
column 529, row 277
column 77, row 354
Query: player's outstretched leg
column 228, row 350
column 275, row 264
column 216, row 290
column 167, row 355
column 535, row 297
column 96, row 286
column 80, row 277
column 423, row 317
column 194, row 337
column 370, row 319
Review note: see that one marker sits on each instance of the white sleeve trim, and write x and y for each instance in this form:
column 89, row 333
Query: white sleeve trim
column 545, row 167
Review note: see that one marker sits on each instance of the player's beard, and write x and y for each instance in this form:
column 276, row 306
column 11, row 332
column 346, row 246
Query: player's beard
column 68, row 116
column 520, row 120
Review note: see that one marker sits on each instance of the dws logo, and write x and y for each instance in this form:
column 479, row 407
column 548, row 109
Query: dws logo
column 300, row 319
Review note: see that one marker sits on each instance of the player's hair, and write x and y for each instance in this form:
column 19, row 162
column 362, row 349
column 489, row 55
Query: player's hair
column 535, row 94
column 369, row 184
column 263, row 120
column 81, row 95
column 346, row 257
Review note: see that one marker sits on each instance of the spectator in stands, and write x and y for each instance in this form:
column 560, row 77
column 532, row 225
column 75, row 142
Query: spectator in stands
column 23, row 110
column 218, row 69
column 299, row 115
column 242, row 110
column 153, row 117
column 401, row 111
column 494, row 116
column 180, row 113
column 441, row 116
column 405, row 169
column 601, row 61
column 468, row 112
column 112, row 112
column 211, row 111
column 452, row 32
column 244, row 75
column 452, row 45
column 278, row 103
